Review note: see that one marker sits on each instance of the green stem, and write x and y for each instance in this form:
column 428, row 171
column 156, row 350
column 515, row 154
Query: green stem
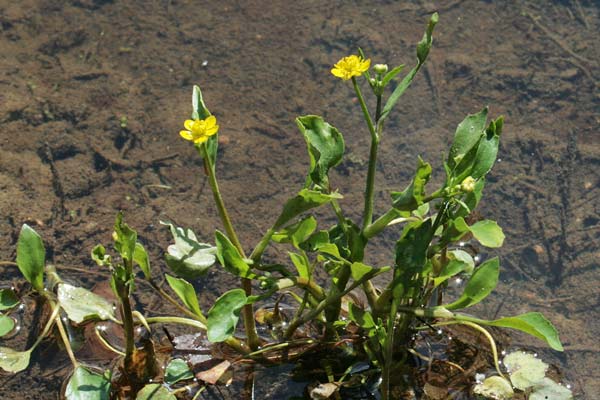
column 262, row 245
column 65, row 339
column 174, row 302
column 247, row 310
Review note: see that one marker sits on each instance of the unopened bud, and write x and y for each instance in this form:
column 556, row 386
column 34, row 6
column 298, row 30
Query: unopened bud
column 380, row 68
column 468, row 184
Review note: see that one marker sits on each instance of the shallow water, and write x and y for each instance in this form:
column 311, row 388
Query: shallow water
column 71, row 70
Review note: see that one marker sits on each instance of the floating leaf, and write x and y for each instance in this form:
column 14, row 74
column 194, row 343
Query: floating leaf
column 548, row 389
column 31, row 257
column 481, row 284
column 230, row 258
column 177, row 370
column 186, row 293
column 14, row 361
column 495, row 387
column 80, row 304
column 155, row 391
column 525, row 369
column 188, row 258
column 488, row 233
column 224, row 315
column 87, row 385
column 7, row 324
column 325, row 147
column 8, row 299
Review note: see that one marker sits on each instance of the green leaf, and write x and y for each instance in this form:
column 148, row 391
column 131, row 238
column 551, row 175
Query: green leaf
column 224, row 315
column 362, row 318
column 86, row 385
column 8, row 299
column 14, row 361
column 80, row 304
column 391, row 75
column 125, row 238
column 155, row 391
column 301, row 264
column 411, row 249
column 453, row 267
column 31, row 257
column 359, row 270
column 230, row 257
column 548, row 389
column 457, row 228
column 468, row 133
column 296, row 233
column 482, row 283
column 186, row 293
column 100, row 257
column 177, row 370
column 303, row 201
column 325, row 147
column 525, row 369
column 423, row 48
column 188, row 258
column 7, row 324
column 488, row 233
column 487, row 149
column 495, row 387
column 140, row 257
column 533, row 323
column 412, row 197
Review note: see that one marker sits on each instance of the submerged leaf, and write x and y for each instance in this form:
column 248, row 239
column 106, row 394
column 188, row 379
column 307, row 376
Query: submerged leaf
column 212, row 376
column 14, row 361
column 495, row 387
column 155, row 391
column 8, row 299
column 7, row 324
column 80, row 304
column 525, row 369
column 548, row 389
column 177, row 370
column 86, row 385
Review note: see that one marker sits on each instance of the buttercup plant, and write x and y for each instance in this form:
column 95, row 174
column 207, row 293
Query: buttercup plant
column 426, row 256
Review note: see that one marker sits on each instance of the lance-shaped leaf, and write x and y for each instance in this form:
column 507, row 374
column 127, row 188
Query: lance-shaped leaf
column 224, row 315
column 533, row 323
column 31, row 257
column 412, row 197
column 80, row 304
column 423, row 48
column 482, row 283
column 14, row 361
column 230, row 258
column 200, row 111
column 301, row 263
column 125, row 238
column 140, row 257
column 188, row 258
column 185, row 291
column 467, row 136
column 325, row 147
column 303, row 201
column 487, row 149
column 87, row 385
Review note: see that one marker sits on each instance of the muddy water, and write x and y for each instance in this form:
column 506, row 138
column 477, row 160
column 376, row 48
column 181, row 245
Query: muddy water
column 93, row 93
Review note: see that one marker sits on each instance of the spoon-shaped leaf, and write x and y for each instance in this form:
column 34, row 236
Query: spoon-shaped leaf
column 31, row 257
column 87, row 385
column 12, row 360
column 80, row 304
column 481, row 284
column 224, row 315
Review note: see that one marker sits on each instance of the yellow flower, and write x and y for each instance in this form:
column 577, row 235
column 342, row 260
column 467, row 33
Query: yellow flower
column 350, row 66
column 199, row 130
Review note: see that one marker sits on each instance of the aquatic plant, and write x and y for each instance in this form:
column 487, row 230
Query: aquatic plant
column 426, row 256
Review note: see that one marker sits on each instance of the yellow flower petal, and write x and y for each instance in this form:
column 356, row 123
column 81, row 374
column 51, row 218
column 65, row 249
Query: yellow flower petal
column 201, row 139
column 210, row 121
column 188, row 124
column 350, row 66
column 187, row 135
column 212, row 130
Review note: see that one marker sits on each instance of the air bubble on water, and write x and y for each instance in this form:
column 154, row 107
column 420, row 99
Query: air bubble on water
column 439, row 331
column 195, row 379
column 535, row 355
column 138, row 329
column 476, row 258
column 499, row 160
column 568, row 386
column 449, row 337
column 12, row 288
column 101, row 328
column 114, row 307
column 150, row 380
column 461, row 244
column 503, row 352
column 64, row 319
column 22, row 307
column 458, row 281
column 479, row 378
column 18, row 328
column 204, row 63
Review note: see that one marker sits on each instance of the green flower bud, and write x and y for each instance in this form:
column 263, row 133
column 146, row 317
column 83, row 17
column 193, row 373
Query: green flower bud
column 380, row 68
